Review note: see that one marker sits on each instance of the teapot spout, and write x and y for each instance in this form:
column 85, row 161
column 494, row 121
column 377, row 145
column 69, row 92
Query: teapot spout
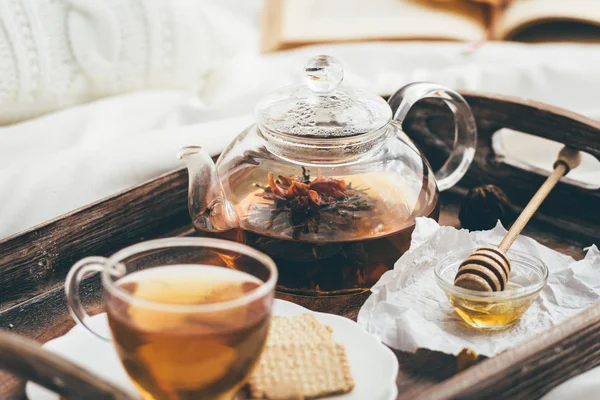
column 208, row 209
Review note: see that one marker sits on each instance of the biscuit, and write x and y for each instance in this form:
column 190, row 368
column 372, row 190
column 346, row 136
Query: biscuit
column 300, row 361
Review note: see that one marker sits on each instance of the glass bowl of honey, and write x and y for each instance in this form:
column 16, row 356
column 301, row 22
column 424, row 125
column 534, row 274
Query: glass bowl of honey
column 493, row 310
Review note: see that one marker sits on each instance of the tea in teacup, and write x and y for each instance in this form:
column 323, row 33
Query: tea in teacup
column 186, row 354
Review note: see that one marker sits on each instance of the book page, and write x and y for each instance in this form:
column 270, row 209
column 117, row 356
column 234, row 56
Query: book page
column 525, row 14
column 313, row 21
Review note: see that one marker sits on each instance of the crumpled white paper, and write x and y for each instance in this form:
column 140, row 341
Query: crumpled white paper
column 408, row 310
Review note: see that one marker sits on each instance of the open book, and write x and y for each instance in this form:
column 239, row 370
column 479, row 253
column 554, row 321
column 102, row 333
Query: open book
column 291, row 23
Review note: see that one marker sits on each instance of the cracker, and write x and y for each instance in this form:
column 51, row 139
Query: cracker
column 301, row 328
column 300, row 361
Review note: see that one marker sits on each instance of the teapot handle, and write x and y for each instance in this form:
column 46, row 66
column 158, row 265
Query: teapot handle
column 465, row 129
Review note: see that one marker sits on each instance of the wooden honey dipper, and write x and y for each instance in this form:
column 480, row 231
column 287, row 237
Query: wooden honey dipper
column 487, row 269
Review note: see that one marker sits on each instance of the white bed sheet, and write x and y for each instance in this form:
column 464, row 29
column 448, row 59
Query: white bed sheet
column 56, row 163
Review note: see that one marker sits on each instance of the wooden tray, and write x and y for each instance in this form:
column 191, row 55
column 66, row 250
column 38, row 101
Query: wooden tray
column 33, row 264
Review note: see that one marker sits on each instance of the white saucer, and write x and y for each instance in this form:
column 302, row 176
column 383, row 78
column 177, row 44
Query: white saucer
column 374, row 366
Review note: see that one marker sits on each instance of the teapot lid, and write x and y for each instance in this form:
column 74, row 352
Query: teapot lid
column 320, row 108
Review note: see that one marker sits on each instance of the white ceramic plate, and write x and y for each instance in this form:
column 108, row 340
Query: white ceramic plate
column 374, row 366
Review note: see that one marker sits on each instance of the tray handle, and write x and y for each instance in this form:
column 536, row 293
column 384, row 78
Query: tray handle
column 28, row 360
column 539, row 119
column 569, row 210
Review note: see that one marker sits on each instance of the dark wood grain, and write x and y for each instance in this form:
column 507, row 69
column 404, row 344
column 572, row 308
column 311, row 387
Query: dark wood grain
column 33, row 265
column 37, row 260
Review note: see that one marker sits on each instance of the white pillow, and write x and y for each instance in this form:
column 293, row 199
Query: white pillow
column 57, row 53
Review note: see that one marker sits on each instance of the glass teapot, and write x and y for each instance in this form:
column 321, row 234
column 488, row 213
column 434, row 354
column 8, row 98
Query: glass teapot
column 326, row 182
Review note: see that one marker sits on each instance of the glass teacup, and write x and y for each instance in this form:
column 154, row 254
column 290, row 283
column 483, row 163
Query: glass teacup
column 188, row 316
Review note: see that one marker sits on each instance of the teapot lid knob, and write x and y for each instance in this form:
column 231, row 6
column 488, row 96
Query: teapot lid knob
column 323, row 74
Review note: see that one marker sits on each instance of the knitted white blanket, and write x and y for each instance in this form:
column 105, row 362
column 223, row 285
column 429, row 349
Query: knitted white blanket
column 57, row 53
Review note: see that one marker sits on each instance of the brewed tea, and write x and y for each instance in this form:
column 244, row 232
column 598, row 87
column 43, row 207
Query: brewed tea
column 175, row 353
column 332, row 236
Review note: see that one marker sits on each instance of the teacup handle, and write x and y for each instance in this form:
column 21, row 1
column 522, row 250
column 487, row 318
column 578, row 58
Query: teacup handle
column 465, row 129
column 78, row 272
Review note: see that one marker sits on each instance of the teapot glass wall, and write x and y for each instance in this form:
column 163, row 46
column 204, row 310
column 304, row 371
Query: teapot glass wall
column 334, row 210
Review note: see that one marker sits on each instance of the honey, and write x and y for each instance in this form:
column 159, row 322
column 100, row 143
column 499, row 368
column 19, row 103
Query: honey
column 490, row 313
column 493, row 310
